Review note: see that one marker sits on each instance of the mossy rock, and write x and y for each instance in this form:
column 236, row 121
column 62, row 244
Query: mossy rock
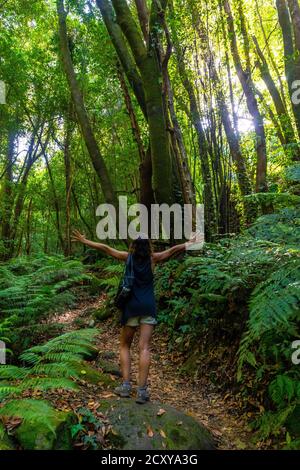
column 102, row 313
column 293, row 422
column 143, row 427
column 5, row 442
column 56, row 434
column 43, row 427
column 109, row 367
column 191, row 366
column 90, row 374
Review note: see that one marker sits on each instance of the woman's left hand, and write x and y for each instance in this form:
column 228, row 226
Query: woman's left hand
column 78, row 237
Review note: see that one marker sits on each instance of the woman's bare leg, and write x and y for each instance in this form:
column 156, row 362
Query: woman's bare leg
column 144, row 347
column 127, row 334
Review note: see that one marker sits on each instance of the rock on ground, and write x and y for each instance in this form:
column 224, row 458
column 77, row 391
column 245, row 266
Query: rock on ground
column 153, row 426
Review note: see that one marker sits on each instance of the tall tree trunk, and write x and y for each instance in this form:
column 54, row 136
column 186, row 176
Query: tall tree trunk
column 143, row 14
column 123, row 53
column 194, row 113
column 83, row 118
column 149, row 68
column 145, row 168
column 245, row 79
column 7, row 196
column 28, row 228
column 291, row 60
column 68, row 182
column 55, row 203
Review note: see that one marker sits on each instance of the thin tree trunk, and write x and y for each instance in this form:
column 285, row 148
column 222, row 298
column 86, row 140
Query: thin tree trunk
column 7, row 196
column 283, row 117
column 194, row 114
column 68, row 183
column 143, row 14
column 290, row 61
column 82, row 218
column 83, row 118
column 55, row 202
column 28, row 229
column 248, row 88
column 270, row 55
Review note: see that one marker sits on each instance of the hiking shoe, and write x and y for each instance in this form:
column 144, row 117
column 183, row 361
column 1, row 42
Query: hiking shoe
column 142, row 395
column 123, row 390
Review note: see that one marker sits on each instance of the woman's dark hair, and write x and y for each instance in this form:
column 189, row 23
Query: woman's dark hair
column 141, row 248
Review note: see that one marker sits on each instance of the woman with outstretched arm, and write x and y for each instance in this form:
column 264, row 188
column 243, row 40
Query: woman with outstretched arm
column 140, row 308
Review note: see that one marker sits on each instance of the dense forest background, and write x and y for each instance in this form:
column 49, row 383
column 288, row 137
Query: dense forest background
column 161, row 101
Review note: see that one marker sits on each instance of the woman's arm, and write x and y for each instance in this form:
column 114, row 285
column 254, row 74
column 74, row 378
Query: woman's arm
column 166, row 254
column 79, row 237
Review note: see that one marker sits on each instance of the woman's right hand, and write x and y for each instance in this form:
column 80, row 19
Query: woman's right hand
column 78, row 237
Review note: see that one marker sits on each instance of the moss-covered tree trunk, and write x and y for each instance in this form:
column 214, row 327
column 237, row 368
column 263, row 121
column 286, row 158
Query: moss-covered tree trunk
column 149, row 68
column 82, row 116
column 7, row 196
column 291, row 58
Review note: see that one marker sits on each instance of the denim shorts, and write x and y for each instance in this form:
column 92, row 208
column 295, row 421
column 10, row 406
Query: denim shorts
column 145, row 320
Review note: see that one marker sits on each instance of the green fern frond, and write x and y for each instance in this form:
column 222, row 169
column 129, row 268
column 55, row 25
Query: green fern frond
column 56, row 369
column 13, row 372
column 35, row 411
column 45, row 383
column 283, row 389
column 26, row 409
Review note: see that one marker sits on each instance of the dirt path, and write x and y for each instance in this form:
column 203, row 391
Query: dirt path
column 202, row 402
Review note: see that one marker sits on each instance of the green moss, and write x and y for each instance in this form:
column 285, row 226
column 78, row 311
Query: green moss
column 46, row 433
column 5, row 441
column 190, row 366
column 109, row 367
column 102, row 314
column 42, row 427
column 88, row 373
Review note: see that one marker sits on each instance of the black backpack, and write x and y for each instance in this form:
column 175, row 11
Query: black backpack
column 126, row 284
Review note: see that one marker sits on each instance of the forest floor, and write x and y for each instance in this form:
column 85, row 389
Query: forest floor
column 200, row 400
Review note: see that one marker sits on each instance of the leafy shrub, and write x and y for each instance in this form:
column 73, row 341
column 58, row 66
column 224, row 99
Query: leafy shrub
column 30, row 288
column 48, row 366
column 241, row 297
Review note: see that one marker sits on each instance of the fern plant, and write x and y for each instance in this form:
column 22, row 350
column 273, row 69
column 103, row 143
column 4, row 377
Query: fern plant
column 112, row 275
column 49, row 366
column 32, row 287
column 274, row 308
column 244, row 293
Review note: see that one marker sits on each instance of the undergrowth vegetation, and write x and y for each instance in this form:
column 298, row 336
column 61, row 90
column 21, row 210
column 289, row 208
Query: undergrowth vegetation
column 237, row 307
column 31, row 288
column 50, row 365
column 234, row 311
